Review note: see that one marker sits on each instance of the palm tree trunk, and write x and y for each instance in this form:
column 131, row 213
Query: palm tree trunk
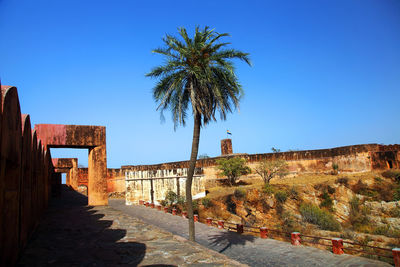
column 192, row 165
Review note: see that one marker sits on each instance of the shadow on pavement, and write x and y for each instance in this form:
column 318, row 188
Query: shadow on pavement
column 74, row 234
column 228, row 238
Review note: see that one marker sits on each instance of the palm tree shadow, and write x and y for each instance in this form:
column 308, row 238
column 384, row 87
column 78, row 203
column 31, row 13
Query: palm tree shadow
column 228, row 238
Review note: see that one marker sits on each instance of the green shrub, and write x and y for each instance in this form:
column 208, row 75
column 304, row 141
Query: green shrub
column 327, row 201
column 293, row 193
column 392, row 174
column 358, row 215
column 281, row 196
column 164, row 203
column 232, row 168
column 364, row 189
column 289, row 223
column 378, row 179
column 396, row 194
column 195, row 205
column 330, row 189
column 335, row 168
column 239, row 193
column 343, row 181
column 313, row 214
column 171, row 197
column 230, row 204
column 180, row 200
column 268, row 189
column 354, row 204
column 206, row 202
column 386, row 230
column 395, row 212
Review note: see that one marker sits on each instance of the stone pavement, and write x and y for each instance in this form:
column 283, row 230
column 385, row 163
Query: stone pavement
column 74, row 234
column 246, row 249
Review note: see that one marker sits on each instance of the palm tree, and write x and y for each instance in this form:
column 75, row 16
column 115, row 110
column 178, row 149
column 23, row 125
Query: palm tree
column 197, row 71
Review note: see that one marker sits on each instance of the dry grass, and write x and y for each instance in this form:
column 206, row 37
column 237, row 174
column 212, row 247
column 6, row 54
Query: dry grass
column 312, row 179
column 298, row 180
column 221, row 191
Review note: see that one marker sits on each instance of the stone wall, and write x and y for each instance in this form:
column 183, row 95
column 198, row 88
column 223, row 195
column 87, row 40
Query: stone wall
column 153, row 185
column 357, row 158
column 26, row 172
column 115, row 180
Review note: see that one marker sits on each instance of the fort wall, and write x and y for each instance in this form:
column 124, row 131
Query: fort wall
column 141, row 181
column 26, row 175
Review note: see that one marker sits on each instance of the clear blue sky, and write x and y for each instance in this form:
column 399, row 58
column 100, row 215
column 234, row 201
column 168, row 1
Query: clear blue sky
column 325, row 73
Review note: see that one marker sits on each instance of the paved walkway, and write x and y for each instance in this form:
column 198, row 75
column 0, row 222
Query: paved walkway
column 73, row 234
column 243, row 248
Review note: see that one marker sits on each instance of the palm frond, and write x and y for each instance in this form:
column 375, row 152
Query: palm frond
column 199, row 72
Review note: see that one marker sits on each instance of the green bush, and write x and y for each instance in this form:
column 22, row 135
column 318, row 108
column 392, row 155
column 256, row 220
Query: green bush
column 330, row 189
column 268, row 189
column 293, row 193
column 335, row 168
column 230, row 204
column 392, row 174
column 386, row 230
column 313, row 214
column 239, row 193
column 327, row 201
column 206, row 202
column 180, row 200
column 195, row 205
column 395, row 212
column 396, row 194
column 232, row 168
column 358, row 214
column 289, row 223
column 343, row 181
column 281, row 196
column 363, row 189
column 171, row 197
column 164, row 203
column 354, row 204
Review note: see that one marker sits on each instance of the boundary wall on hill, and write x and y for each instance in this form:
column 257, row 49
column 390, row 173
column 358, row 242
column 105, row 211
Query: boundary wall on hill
column 140, row 179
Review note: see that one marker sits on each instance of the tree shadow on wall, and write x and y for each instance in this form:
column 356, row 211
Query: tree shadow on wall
column 228, row 238
column 74, row 234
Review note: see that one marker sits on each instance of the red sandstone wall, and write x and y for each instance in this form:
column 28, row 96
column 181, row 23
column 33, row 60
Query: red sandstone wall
column 115, row 179
column 26, row 172
column 350, row 158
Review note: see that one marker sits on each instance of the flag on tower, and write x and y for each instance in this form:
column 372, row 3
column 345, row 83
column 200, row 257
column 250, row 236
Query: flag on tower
column 228, row 132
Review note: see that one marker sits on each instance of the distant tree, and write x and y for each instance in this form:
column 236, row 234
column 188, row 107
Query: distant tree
column 269, row 169
column 198, row 77
column 275, row 150
column 204, row 156
column 232, row 168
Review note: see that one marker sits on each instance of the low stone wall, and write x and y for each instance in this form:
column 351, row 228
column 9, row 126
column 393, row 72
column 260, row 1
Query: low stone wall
column 153, row 185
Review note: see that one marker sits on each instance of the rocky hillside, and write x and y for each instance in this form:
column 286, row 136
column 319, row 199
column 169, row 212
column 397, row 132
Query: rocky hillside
column 364, row 208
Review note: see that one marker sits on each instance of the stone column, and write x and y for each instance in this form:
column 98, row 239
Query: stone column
column 97, row 184
column 73, row 175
